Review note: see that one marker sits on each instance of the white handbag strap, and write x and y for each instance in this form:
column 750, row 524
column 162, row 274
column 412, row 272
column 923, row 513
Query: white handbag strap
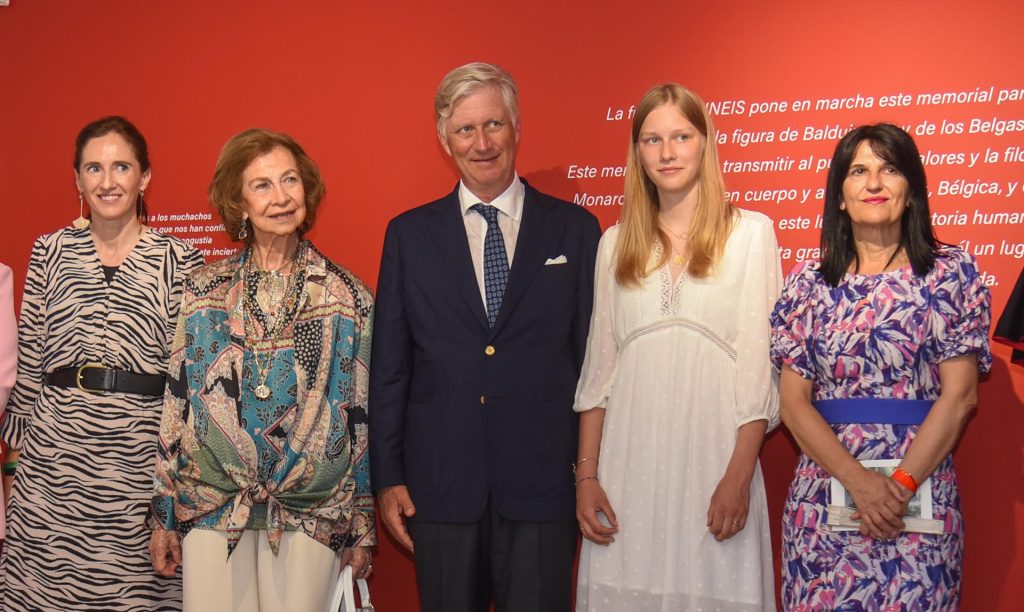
column 343, row 593
column 364, row 594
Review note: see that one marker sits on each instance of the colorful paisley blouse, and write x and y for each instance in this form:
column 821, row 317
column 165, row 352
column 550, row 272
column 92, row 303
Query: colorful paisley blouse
column 295, row 461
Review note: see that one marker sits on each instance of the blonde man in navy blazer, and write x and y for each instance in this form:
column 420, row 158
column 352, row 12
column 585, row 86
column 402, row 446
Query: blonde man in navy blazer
column 483, row 307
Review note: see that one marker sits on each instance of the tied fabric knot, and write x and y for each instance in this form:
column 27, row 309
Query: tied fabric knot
column 241, row 508
column 495, row 261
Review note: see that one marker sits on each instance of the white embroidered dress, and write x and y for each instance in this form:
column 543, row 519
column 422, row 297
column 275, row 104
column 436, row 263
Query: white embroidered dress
column 679, row 368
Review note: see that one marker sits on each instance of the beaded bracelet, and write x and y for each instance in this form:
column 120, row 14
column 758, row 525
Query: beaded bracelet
column 10, row 467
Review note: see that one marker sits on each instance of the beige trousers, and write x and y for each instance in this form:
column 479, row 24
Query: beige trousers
column 298, row 579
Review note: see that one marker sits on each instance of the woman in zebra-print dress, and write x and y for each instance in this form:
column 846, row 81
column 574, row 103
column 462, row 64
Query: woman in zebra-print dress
column 107, row 294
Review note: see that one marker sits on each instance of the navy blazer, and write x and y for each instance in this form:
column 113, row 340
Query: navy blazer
column 460, row 411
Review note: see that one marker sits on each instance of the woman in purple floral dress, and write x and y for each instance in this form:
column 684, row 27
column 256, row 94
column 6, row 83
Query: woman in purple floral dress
column 879, row 346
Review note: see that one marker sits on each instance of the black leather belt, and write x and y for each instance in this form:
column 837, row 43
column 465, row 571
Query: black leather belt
column 96, row 378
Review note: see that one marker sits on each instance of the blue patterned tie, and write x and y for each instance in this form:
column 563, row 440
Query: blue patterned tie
column 495, row 261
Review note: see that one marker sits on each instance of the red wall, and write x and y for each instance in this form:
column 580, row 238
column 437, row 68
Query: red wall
column 355, row 84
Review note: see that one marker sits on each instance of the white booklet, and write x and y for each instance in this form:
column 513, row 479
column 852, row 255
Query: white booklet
column 918, row 519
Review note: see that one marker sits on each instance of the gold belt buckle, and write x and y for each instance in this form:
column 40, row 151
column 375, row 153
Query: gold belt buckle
column 78, row 377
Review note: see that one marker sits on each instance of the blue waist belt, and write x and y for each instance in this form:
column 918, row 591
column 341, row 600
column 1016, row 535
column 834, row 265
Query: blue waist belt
column 874, row 410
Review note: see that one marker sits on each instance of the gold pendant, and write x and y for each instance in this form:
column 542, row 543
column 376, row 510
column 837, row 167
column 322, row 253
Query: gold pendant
column 677, row 259
column 262, row 392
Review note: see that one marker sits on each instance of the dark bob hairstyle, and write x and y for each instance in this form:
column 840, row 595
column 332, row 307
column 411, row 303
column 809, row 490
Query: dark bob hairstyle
column 917, row 239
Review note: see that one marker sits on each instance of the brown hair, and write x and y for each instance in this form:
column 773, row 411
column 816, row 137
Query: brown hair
column 712, row 220
column 226, row 187
column 125, row 129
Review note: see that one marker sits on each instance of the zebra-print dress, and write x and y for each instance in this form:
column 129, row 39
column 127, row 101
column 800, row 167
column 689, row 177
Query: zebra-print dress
column 76, row 534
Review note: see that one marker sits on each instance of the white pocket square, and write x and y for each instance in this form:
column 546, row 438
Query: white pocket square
column 554, row 261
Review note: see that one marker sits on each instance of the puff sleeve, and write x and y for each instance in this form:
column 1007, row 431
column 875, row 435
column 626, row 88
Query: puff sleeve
column 601, row 359
column 756, row 389
column 792, row 323
column 961, row 310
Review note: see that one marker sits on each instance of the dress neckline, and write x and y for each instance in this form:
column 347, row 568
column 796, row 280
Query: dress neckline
column 900, row 271
column 87, row 236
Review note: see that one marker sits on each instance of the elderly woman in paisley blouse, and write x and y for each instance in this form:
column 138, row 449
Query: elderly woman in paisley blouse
column 879, row 345
column 262, row 470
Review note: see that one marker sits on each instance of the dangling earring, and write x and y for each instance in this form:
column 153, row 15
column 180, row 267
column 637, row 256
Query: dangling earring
column 81, row 222
column 243, row 232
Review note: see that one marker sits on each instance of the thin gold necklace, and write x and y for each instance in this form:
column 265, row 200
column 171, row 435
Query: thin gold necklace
column 682, row 236
column 677, row 257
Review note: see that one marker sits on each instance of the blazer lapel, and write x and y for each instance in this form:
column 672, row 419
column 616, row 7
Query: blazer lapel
column 530, row 254
column 454, row 247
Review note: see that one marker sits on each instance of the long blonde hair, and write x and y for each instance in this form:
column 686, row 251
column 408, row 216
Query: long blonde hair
column 712, row 220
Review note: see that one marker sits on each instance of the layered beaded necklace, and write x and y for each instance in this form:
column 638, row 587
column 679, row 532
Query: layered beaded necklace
column 280, row 292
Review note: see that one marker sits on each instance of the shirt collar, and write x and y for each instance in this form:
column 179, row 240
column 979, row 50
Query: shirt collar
column 509, row 202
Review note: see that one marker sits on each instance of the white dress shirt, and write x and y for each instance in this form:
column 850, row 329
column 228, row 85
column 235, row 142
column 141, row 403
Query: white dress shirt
column 510, row 215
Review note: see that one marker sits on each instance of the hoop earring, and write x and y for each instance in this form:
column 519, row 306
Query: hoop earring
column 243, row 232
column 81, row 222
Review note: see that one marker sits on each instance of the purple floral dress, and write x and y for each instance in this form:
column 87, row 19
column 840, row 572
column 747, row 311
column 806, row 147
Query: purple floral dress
column 879, row 336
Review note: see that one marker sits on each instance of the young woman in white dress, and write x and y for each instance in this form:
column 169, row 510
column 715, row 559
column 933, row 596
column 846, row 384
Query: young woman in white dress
column 677, row 391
